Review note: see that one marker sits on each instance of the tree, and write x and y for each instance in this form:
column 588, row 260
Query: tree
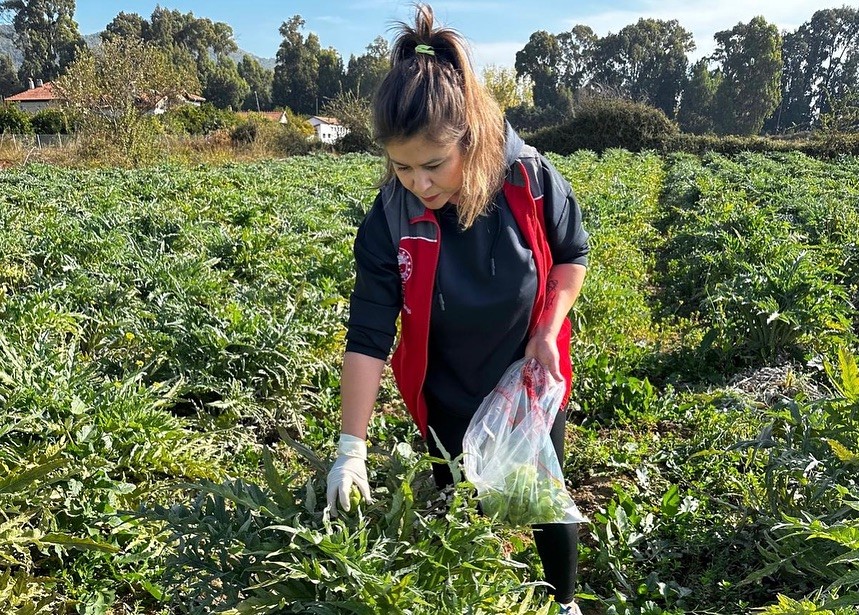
column 14, row 121
column 125, row 25
column 330, row 77
column 365, row 73
column 111, row 90
column 749, row 58
column 821, row 66
column 697, row 109
column 647, row 61
column 576, row 64
column 198, row 35
column 844, row 115
column 182, row 36
column 46, row 34
column 356, row 114
column 540, row 61
column 259, row 81
column 9, row 82
column 297, row 69
column 506, row 88
column 225, row 88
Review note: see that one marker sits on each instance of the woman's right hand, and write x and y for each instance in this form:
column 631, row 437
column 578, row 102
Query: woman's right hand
column 349, row 469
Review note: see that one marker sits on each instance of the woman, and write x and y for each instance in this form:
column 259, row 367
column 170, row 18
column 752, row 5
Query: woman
column 475, row 242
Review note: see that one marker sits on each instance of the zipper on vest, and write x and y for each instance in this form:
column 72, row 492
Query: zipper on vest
column 437, row 263
column 439, row 294
column 495, row 241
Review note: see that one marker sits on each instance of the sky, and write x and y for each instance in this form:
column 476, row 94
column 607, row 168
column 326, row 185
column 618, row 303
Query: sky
column 496, row 29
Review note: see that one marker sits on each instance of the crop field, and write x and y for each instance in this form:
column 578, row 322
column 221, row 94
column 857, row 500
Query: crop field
column 170, row 340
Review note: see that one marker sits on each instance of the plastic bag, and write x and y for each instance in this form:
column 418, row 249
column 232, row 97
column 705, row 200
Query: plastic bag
column 508, row 453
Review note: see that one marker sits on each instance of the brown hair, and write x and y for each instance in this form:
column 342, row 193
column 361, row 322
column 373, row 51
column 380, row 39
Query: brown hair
column 438, row 96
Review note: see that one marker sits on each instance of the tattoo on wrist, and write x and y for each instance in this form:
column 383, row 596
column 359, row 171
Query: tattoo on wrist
column 551, row 293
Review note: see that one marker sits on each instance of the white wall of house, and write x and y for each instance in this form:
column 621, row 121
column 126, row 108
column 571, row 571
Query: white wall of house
column 34, row 106
column 326, row 132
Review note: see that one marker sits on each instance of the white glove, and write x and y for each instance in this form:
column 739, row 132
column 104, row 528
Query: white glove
column 349, row 469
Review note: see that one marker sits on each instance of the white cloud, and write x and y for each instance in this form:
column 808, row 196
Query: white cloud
column 500, row 53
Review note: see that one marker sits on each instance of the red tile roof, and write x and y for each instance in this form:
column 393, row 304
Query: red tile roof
column 328, row 120
column 45, row 92
column 274, row 116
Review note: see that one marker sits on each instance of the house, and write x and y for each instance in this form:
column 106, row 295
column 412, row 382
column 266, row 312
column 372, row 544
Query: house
column 35, row 98
column 164, row 103
column 41, row 96
column 328, row 129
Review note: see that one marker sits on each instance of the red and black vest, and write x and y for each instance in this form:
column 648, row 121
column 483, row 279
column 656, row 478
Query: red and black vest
column 416, row 232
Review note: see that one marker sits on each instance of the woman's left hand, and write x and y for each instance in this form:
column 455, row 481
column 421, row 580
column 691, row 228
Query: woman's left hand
column 544, row 348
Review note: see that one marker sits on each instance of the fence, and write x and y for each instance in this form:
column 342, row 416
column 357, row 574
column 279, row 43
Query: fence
column 35, row 141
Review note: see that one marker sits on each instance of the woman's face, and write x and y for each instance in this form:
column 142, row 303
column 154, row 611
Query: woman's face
column 431, row 172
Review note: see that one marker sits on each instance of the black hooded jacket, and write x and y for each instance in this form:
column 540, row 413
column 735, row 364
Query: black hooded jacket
column 484, row 290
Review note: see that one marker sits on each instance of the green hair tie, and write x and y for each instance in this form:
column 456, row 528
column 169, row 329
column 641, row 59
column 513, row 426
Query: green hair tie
column 425, row 49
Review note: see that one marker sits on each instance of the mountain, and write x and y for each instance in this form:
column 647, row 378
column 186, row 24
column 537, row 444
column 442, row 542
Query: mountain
column 8, row 47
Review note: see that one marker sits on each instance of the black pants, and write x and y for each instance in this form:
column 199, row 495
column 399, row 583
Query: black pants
column 557, row 543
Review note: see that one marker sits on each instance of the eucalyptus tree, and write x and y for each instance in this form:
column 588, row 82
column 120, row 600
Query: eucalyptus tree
column 9, row 82
column 46, row 34
column 224, row 87
column 331, row 75
column 126, row 25
column 697, row 104
column 750, row 67
column 259, row 81
column 364, row 73
column 297, row 69
column 821, row 67
column 186, row 39
column 647, row 61
column 576, row 61
column 540, row 60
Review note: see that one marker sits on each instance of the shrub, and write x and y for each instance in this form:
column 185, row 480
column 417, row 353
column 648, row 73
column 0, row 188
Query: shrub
column 528, row 118
column 356, row 142
column 830, row 145
column 14, row 121
column 288, row 140
column 355, row 114
column 298, row 123
column 51, row 122
column 244, row 133
column 271, row 137
column 202, row 120
column 601, row 123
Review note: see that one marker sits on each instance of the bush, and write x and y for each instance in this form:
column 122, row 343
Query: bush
column 51, row 122
column 830, row 145
column 14, row 121
column 528, row 118
column 356, row 142
column 356, row 115
column 202, row 120
column 244, row 133
column 602, row 123
column 271, row 137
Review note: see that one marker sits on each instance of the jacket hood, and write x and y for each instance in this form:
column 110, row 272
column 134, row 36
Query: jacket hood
column 512, row 145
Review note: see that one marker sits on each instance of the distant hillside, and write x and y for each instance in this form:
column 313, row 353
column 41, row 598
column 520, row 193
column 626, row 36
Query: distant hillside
column 7, row 47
